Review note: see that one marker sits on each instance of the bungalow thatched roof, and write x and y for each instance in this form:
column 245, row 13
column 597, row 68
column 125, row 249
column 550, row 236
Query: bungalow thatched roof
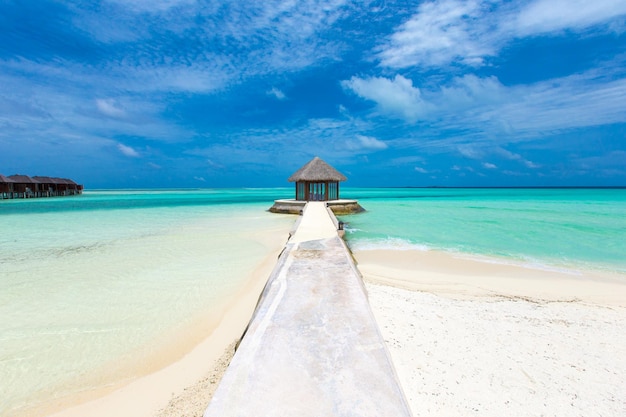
column 317, row 170
column 58, row 180
column 22, row 179
column 43, row 180
column 5, row 180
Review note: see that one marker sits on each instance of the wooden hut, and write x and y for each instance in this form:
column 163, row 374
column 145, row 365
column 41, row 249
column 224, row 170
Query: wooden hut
column 317, row 181
column 6, row 187
column 47, row 186
column 24, row 186
column 64, row 186
column 72, row 187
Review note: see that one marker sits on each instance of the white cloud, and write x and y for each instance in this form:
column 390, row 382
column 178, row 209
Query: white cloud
column 467, row 32
column 367, row 142
column 489, row 165
column 498, row 113
column 200, row 77
column 515, row 173
column 421, row 170
column 275, row 92
column 127, row 150
column 543, row 16
column 612, row 159
column 469, row 91
column 154, row 6
column 109, row 107
column 440, row 32
column 214, row 164
column 515, row 157
column 330, row 139
column 577, row 101
column 470, row 151
column 396, row 97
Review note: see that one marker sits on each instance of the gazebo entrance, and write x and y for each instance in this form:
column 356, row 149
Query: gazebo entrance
column 317, row 191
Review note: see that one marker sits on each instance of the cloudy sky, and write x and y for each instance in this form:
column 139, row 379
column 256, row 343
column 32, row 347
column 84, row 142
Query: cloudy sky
column 215, row 93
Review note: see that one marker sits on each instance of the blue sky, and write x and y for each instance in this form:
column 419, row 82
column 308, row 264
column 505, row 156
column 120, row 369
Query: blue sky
column 202, row 93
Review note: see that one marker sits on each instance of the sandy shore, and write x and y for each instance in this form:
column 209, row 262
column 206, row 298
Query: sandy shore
column 485, row 339
column 467, row 337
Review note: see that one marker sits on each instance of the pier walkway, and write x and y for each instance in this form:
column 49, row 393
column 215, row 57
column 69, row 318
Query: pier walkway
column 312, row 347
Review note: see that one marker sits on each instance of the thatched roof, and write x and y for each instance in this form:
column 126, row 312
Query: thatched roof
column 22, row 179
column 44, row 180
column 317, row 170
column 4, row 179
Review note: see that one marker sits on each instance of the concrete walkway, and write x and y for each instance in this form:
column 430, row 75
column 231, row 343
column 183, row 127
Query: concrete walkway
column 312, row 347
column 316, row 224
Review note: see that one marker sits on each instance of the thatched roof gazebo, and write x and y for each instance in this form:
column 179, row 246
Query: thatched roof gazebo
column 317, row 181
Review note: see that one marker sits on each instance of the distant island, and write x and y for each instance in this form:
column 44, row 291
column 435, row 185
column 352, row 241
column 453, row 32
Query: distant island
column 23, row 186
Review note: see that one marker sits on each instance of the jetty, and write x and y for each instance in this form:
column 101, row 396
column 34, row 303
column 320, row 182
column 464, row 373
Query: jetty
column 23, row 186
column 312, row 347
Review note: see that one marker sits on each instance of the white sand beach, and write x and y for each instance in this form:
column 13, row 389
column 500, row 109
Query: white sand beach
column 474, row 338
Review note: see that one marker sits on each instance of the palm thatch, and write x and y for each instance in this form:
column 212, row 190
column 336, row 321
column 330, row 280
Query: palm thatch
column 317, row 170
column 22, row 179
column 43, row 180
column 5, row 180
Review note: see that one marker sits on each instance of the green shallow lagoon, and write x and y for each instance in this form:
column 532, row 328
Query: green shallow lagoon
column 88, row 283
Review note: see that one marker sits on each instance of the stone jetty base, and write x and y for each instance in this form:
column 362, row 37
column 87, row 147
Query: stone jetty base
column 338, row 207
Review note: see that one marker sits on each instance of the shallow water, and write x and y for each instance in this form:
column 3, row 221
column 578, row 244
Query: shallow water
column 90, row 282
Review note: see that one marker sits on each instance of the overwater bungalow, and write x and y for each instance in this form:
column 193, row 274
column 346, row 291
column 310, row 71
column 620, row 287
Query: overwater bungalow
column 6, row 187
column 23, row 186
column 47, row 186
column 66, row 186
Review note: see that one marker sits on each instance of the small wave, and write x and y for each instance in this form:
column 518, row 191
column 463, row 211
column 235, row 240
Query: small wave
column 389, row 243
column 520, row 261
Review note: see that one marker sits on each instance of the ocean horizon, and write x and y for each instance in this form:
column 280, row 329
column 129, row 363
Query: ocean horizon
column 92, row 282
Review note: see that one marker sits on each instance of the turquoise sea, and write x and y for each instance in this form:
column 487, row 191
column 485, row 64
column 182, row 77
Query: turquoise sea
column 91, row 284
column 546, row 227
column 94, row 288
